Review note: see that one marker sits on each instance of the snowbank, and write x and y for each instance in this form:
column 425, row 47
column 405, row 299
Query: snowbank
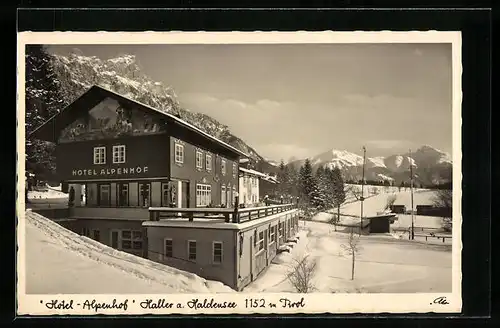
column 323, row 217
column 60, row 261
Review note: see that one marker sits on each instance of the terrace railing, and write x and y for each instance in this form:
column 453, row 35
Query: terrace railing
column 236, row 215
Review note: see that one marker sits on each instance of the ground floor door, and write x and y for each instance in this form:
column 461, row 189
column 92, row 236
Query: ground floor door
column 144, row 194
column 114, row 238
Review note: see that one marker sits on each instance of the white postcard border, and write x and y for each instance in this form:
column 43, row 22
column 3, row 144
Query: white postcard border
column 313, row 303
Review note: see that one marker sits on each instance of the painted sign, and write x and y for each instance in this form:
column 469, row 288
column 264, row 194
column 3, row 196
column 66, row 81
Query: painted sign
column 109, row 171
column 109, row 120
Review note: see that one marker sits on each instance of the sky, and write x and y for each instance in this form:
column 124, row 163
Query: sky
column 299, row 100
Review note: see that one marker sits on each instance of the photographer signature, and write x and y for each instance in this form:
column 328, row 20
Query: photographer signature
column 440, row 300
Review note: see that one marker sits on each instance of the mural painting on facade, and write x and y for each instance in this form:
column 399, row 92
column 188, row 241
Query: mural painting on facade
column 110, row 120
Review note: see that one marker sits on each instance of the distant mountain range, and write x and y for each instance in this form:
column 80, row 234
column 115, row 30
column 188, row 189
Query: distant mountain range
column 430, row 165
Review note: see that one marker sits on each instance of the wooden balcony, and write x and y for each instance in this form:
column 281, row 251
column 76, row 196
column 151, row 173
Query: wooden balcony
column 235, row 215
column 117, row 213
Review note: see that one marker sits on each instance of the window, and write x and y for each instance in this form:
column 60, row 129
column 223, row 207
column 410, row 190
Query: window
column 131, row 239
column 144, row 194
column 165, row 199
column 99, row 155
column 223, row 167
column 234, row 195
column 228, row 195
column 192, row 250
column 123, row 194
column 280, row 229
column 104, row 195
column 260, row 241
column 199, row 160
column 85, row 232
column 208, row 162
column 96, row 235
column 223, row 195
column 203, row 194
column 272, row 234
column 235, row 172
column 119, row 154
column 179, row 153
column 91, row 233
column 168, row 247
column 217, row 252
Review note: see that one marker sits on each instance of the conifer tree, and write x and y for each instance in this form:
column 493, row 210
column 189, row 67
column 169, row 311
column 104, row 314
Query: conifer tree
column 339, row 195
column 308, row 189
column 43, row 100
column 283, row 179
column 293, row 181
column 321, row 197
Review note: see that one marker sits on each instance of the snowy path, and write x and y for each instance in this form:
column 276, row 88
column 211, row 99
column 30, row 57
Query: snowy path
column 384, row 264
column 60, row 261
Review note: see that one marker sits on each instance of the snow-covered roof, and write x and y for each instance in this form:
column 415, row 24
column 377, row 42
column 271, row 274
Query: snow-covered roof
column 253, row 172
column 170, row 116
column 58, row 255
column 271, row 179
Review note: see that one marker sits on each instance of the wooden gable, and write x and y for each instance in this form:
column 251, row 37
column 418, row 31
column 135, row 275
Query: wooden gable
column 110, row 119
column 100, row 114
column 104, row 114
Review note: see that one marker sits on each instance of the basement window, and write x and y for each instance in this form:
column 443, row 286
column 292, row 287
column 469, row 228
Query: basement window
column 192, row 250
column 168, row 247
column 217, row 252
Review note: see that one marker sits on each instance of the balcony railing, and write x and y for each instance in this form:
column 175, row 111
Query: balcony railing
column 127, row 213
column 235, row 215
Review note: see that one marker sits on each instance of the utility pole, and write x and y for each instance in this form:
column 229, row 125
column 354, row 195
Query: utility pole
column 411, row 191
column 362, row 198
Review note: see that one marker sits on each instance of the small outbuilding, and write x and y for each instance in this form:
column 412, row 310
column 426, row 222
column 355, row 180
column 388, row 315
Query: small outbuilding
column 380, row 223
column 399, row 209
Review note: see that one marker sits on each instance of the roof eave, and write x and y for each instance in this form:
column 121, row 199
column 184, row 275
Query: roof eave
column 40, row 131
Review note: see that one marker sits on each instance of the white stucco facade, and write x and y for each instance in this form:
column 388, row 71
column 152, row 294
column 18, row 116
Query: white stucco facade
column 249, row 187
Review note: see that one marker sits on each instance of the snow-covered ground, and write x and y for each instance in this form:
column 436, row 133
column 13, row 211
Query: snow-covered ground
column 51, row 198
column 384, row 265
column 60, row 261
column 404, row 221
column 376, row 203
column 49, row 194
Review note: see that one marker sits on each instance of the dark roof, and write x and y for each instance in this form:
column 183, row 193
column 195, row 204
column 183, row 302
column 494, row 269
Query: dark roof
column 91, row 98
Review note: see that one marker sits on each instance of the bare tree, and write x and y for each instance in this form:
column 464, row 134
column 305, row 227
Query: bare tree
column 443, row 199
column 352, row 248
column 301, row 274
column 354, row 191
column 391, row 199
